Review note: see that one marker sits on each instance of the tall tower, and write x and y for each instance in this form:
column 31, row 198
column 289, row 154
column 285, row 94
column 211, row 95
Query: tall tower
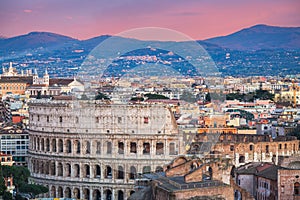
column 35, row 77
column 46, row 78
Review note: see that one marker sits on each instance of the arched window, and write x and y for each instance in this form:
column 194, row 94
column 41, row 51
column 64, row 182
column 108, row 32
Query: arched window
column 108, row 172
column 172, row 149
column 47, row 145
column 86, row 193
column 297, row 188
column 88, row 147
column 98, row 147
column 159, row 148
column 97, row 195
column 120, row 173
column 59, row 169
column 76, row 170
column 251, row 147
column 108, row 194
column 68, row 170
column 146, row 148
column 108, row 148
column 42, row 144
column 97, row 171
column 242, row 159
column 67, row 192
column 60, row 192
column 132, row 147
column 60, row 119
column 159, row 169
column 121, row 148
column 68, row 146
column 77, row 147
column 87, row 170
column 120, row 195
column 132, row 173
column 53, row 145
column 76, row 193
column 60, row 146
column 52, row 168
column 146, row 170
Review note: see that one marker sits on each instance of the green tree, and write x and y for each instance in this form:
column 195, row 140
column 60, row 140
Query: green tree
column 2, row 182
column 101, row 96
column 34, row 189
column 155, row 96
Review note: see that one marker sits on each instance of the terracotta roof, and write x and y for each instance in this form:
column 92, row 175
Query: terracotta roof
column 16, row 79
column 60, row 81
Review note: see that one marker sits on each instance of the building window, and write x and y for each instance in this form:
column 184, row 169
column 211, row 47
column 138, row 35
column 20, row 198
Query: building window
column 231, row 147
column 132, row 173
column 159, row 148
column 132, row 147
column 77, row 143
column 97, row 171
column 119, row 120
column 120, row 173
column 297, row 188
column 172, row 149
column 146, row 170
column 68, row 146
column 285, row 146
column 60, row 119
column 108, row 148
column 108, row 173
column 98, row 148
column 121, row 148
column 77, row 170
column 279, row 146
column 251, row 147
column 146, row 120
column 47, row 118
column 60, row 146
column 88, row 147
column 146, row 148
column 87, row 171
column 267, row 148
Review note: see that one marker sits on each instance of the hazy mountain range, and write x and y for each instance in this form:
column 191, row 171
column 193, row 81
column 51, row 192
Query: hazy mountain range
column 259, row 48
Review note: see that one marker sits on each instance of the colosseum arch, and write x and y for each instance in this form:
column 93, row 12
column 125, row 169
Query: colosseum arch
column 53, row 191
column 76, row 193
column 42, row 145
column 38, row 144
column 87, row 170
column 86, row 193
column 87, row 147
column 107, row 194
column 120, row 172
column 53, row 144
column 159, row 169
column 68, row 146
column 67, row 170
column 132, row 174
column 96, row 195
column 76, row 170
column 59, row 169
column 77, row 146
column 47, row 145
column 60, row 192
column 159, row 148
column 120, row 195
column 97, row 171
column 60, row 146
column 67, row 193
column 108, row 172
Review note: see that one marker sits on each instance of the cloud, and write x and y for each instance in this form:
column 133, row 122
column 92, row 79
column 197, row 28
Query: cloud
column 69, row 17
column 27, row 11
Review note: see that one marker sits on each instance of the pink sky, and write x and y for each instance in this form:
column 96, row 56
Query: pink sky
column 199, row 19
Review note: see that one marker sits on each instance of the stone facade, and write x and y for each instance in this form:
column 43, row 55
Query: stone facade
column 94, row 150
column 289, row 184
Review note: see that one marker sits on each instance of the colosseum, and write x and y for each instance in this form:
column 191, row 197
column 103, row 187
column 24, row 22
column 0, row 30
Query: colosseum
column 95, row 150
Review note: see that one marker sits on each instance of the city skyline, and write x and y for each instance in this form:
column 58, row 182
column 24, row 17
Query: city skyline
column 197, row 19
